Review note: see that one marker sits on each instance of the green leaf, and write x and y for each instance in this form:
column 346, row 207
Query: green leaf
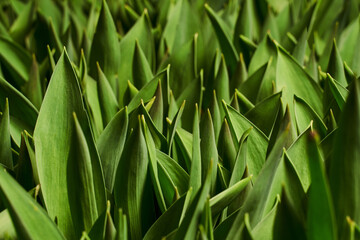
column 342, row 177
column 23, row 114
column 7, row 229
column 157, row 110
column 140, row 31
column 173, row 126
column 167, row 222
column 258, row 142
column 171, row 176
column 56, row 117
column 122, row 229
column 298, row 155
column 336, row 66
column 6, row 158
column 81, row 189
column 16, row 60
column 264, row 229
column 293, row 80
column 304, row 114
column 299, row 51
column 146, row 93
column 132, row 191
column 222, row 34
column 33, row 88
column 259, row 85
column 221, row 84
column 107, row 99
column 209, row 154
column 247, row 23
column 287, row 225
column 226, row 146
column 265, row 50
column 276, row 173
column 189, row 224
column 153, row 166
column 111, row 144
column 29, row 218
column 321, row 218
column 23, row 23
column 263, row 115
column 195, row 169
column 239, row 172
column 103, row 228
column 141, row 70
column 105, row 47
column 223, row 199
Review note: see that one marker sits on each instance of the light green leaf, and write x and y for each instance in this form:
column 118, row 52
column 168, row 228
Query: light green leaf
column 195, row 169
column 7, row 229
column 293, row 80
column 209, row 154
column 55, row 117
column 223, row 199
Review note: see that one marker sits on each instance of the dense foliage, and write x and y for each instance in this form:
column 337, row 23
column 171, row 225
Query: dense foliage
column 182, row 119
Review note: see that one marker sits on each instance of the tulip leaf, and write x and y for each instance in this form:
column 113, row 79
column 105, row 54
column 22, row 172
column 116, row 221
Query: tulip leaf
column 113, row 137
column 56, row 117
column 29, row 218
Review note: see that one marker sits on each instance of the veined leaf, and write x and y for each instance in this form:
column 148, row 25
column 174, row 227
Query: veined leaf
column 293, row 80
column 55, row 117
